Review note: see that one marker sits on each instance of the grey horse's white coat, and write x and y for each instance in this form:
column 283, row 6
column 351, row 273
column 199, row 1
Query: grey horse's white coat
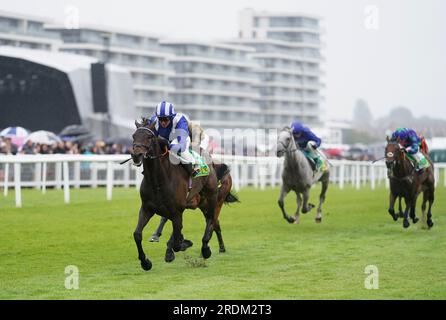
column 298, row 176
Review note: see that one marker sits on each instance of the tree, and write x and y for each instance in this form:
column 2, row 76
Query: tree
column 362, row 117
column 402, row 115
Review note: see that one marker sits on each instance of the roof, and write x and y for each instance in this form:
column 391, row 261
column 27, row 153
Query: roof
column 62, row 61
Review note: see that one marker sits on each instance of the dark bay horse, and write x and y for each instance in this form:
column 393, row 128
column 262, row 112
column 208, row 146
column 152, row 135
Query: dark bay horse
column 165, row 191
column 407, row 183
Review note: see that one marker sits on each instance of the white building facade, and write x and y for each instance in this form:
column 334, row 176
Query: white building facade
column 215, row 83
column 26, row 31
column 288, row 53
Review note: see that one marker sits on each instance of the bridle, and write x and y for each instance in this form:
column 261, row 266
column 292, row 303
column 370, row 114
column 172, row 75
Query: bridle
column 291, row 145
column 146, row 155
column 391, row 163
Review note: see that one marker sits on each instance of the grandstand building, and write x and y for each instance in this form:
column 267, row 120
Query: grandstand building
column 267, row 77
column 25, row 31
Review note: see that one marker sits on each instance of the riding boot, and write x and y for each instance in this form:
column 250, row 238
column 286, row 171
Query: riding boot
column 188, row 168
column 191, row 169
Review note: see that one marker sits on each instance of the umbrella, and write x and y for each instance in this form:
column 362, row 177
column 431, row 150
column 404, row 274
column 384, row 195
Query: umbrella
column 83, row 138
column 119, row 140
column 43, row 137
column 74, row 130
column 17, row 134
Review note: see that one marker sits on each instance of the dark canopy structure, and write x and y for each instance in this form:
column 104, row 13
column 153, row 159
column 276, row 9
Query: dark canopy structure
column 35, row 96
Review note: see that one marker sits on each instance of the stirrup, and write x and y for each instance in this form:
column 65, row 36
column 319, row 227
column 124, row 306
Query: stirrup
column 195, row 172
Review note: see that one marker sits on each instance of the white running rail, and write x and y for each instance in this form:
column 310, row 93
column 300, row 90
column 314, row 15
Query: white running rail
column 73, row 171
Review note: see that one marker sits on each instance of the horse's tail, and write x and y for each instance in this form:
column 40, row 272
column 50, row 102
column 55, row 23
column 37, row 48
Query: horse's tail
column 231, row 198
column 222, row 170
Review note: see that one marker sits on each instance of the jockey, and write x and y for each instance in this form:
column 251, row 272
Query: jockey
column 308, row 142
column 410, row 141
column 174, row 127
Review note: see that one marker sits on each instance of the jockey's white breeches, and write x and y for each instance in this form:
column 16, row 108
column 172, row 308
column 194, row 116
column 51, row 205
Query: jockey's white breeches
column 185, row 154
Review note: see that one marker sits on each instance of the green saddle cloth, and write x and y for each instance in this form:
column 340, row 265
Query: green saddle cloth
column 204, row 168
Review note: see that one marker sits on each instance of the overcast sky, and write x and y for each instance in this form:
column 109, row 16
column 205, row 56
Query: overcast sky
column 399, row 59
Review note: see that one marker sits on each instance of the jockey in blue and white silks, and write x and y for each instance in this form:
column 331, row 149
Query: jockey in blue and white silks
column 308, row 142
column 411, row 142
column 174, row 127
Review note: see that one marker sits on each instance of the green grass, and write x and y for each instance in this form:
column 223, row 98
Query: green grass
column 266, row 257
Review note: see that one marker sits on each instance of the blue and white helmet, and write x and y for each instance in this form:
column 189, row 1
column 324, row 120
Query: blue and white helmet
column 165, row 109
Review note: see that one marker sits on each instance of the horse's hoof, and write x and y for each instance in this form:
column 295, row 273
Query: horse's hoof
column 394, row 216
column 309, row 207
column 401, row 214
column 155, row 238
column 318, row 220
column 222, row 250
column 290, row 220
column 176, row 248
column 415, row 220
column 296, row 221
column 186, row 244
column 170, row 256
column 146, row 264
column 430, row 223
column 206, row 252
column 406, row 224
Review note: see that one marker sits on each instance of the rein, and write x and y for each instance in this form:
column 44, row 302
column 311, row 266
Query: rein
column 146, row 155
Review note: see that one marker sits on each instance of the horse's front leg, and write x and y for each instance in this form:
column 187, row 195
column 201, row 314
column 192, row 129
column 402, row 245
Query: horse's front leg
column 144, row 217
column 406, row 212
column 412, row 210
column 157, row 234
column 299, row 205
column 400, row 208
column 392, row 206
column 283, row 192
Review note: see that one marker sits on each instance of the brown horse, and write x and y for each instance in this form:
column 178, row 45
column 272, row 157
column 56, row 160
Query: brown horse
column 407, row 183
column 165, row 191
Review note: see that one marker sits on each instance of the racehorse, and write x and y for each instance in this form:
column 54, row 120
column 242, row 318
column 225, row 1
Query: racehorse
column 407, row 183
column 298, row 176
column 165, row 191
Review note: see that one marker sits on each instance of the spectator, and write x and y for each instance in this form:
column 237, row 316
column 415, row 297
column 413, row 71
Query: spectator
column 60, row 148
column 28, row 148
column 9, row 147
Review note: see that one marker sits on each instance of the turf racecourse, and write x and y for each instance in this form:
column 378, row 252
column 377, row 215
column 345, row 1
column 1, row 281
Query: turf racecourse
column 266, row 257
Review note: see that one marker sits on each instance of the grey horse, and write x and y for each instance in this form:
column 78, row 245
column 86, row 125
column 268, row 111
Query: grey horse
column 298, row 176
